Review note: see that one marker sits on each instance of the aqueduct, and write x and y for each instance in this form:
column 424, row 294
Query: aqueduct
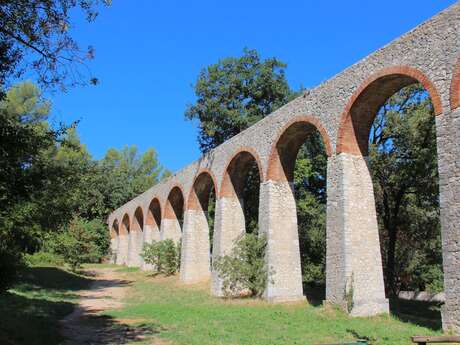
column 342, row 110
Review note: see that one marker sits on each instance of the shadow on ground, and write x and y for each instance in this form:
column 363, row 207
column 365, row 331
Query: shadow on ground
column 314, row 293
column 32, row 310
column 425, row 314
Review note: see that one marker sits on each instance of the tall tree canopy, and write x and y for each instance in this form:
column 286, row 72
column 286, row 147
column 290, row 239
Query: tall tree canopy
column 235, row 93
column 35, row 35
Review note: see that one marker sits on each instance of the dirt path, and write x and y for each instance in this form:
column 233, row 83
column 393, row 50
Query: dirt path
column 86, row 325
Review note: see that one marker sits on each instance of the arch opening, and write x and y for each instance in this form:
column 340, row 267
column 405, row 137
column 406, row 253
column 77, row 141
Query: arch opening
column 123, row 241
column 198, row 230
column 136, row 239
column 175, row 205
column 364, row 105
column 203, row 199
column 173, row 215
column 154, row 215
column 125, row 225
column 391, row 122
column 299, row 159
column 138, row 224
column 242, row 180
column 114, row 231
column 114, row 240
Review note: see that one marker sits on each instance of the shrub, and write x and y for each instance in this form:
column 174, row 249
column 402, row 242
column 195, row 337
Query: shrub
column 100, row 237
column 163, row 256
column 44, row 259
column 244, row 269
column 76, row 244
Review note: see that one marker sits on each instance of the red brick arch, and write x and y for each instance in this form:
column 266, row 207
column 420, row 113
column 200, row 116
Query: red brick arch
column 114, row 230
column 193, row 197
column 226, row 184
column 138, row 220
column 288, row 142
column 152, row 218
column 455, row 87
column 361, row 109
column 125, row 225
column 169, row 211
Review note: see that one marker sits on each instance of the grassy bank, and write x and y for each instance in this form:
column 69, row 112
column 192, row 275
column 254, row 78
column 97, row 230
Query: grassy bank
column 31, row 310
column 188, row 315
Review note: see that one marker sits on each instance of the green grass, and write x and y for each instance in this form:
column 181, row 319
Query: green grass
column 31, row 310
column 188, row 315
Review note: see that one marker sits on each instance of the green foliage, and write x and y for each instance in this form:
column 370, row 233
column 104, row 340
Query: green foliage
column 124, row 174
column 244, row 268
column 235, row 93
column 47, row 177
column 35, row 37
column 77, row 243
column 43, row 258
column 403, row 163
column 164, row 256
column 11, row 262
column 310, row 194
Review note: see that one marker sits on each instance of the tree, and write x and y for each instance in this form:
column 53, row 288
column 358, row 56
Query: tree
column 77, row 243
column 35, row 36
column 404, row 170
column 24, row 136
column 234, row 94
column 129, row 173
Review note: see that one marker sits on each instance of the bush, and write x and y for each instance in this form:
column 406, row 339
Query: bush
column 244, row 269
column 44, row 259
column 164, row 256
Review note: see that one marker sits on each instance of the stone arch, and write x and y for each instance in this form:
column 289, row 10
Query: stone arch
column 125, row 225
column 154, row 214
column 280, row 210
column 361, row 109
column 198, row 196
column 114, row 237
column 290, row 138
column 356, row 201
column 138, row 220
column 236, row 169
column 152, row 225
column 455, row 87
column 114, row 230
column 195, row 258
column 230, row 217
column 136, row 238
column 123, row 241
column 173, row 214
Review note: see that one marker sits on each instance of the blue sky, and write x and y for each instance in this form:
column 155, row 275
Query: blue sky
column 149, row 53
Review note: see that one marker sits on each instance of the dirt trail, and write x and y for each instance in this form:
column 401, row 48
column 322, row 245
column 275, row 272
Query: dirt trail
column 86, row 325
